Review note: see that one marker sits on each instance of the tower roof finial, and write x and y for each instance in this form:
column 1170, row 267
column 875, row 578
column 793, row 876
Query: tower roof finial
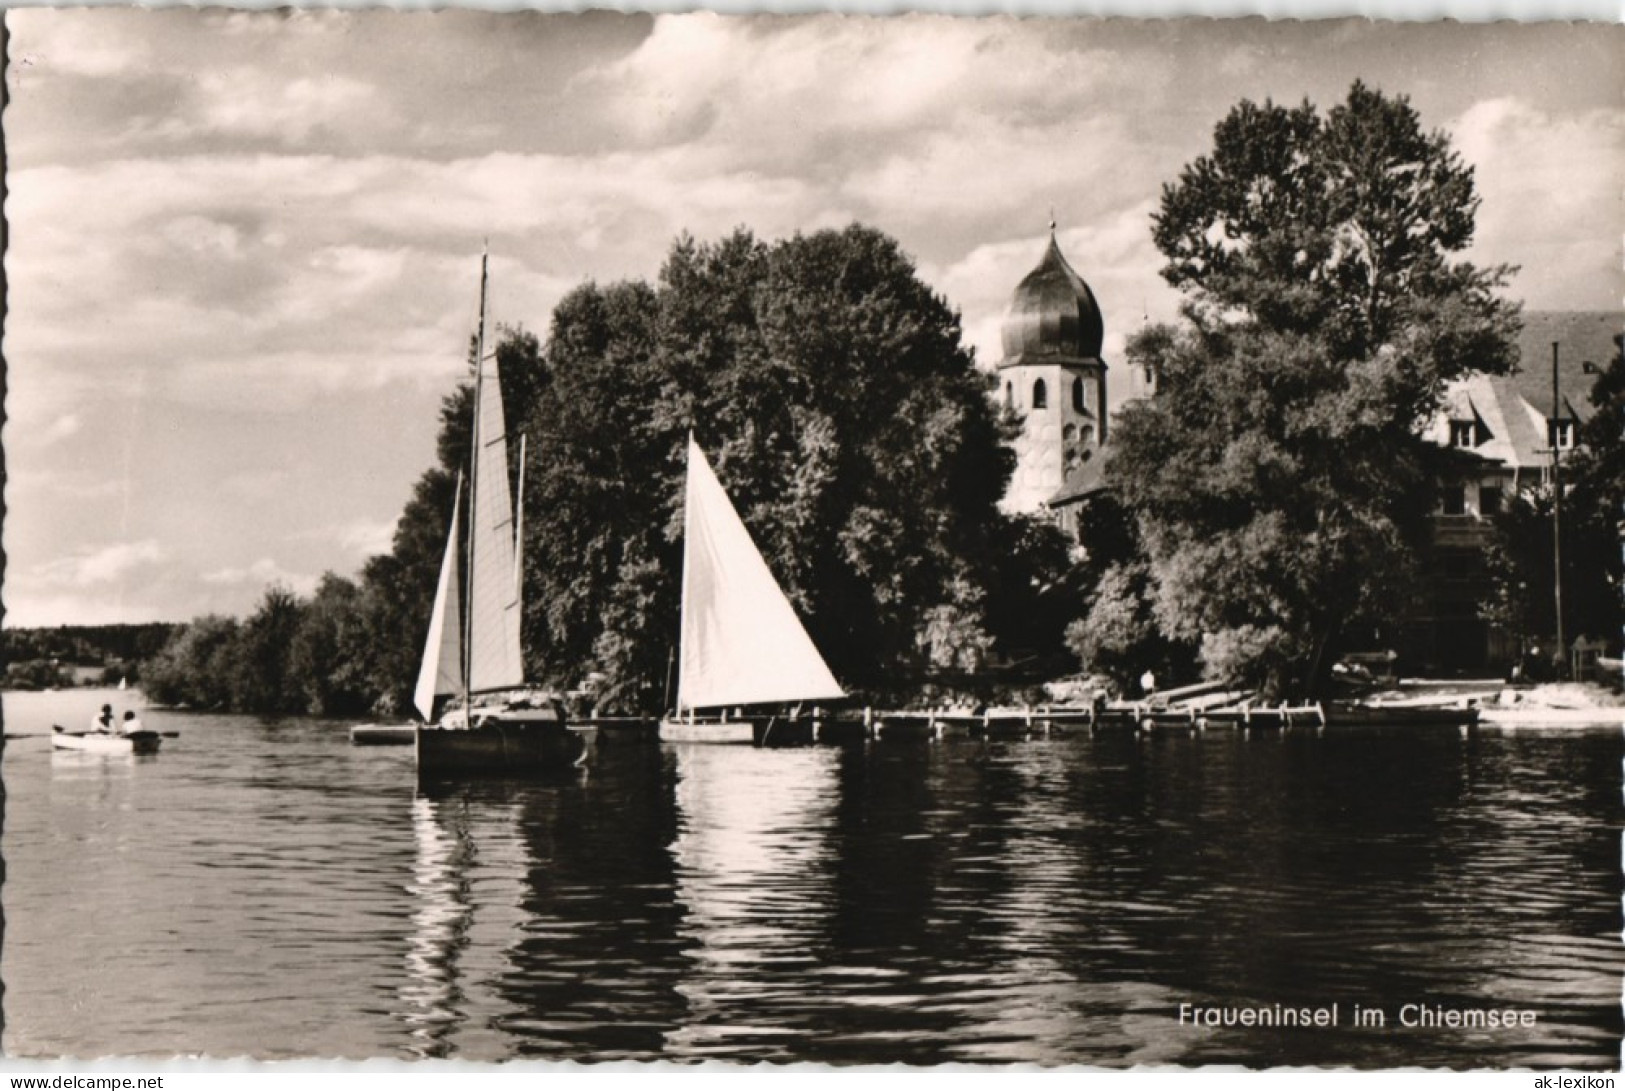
column 1052, row 220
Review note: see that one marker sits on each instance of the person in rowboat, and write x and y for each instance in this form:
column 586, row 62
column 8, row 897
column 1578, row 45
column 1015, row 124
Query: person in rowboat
column 132, row 723
column 103, row 723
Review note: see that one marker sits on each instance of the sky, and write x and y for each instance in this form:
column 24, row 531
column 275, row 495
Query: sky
column 244, row 247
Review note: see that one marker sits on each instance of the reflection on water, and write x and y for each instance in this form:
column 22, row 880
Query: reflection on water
column 469, row 888
column 752, row 858
column 262, row 888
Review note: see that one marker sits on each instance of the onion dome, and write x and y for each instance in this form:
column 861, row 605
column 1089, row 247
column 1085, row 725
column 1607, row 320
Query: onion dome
column 1052, row 314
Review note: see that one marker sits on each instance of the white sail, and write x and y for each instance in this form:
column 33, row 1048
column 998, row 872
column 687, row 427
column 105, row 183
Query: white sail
column 494, row 653
column 442, row 669
column 741, row 640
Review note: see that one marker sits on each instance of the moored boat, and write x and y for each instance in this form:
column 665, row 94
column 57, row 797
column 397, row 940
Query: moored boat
column 1540, row 716
column 475, row 653
column 96, row 742
column 384, row 734
column 1362, row 714
column 741, row 644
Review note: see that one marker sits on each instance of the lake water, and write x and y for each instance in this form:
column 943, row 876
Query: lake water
column 262, row 888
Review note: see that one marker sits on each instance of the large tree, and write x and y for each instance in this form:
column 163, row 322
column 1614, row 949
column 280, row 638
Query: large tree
column 1593, row 536
column 1325, row 311
column 832, row 393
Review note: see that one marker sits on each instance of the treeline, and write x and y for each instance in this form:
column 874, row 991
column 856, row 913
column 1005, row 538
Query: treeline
column 320, row 656
column 831, row 389
column 46, row 657
column 1266, row 510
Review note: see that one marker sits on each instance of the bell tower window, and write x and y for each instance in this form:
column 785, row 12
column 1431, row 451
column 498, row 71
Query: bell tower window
column 1040, row 395
column 1009, row 395
column 1078, row 402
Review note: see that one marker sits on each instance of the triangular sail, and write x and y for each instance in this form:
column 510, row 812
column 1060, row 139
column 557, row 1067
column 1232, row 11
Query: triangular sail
column 741, row 640
column 442, row 669
column 494, row 659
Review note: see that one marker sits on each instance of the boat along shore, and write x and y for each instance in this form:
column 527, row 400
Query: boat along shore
column 1196, row 708
column 474, row 655
column 749, row 673
column 741, row 644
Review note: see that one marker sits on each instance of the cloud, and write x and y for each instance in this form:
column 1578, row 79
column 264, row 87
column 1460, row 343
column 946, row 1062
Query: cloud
column 778, row 90
column 367, row 538
column 64, row 427
column 96, row 49
column 241, row 246
column 99, row 568
column 1551, row 194
column 261, row 573
column 266, row 104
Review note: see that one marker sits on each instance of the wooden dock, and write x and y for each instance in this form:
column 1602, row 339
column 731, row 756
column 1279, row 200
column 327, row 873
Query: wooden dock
column 1208, row 706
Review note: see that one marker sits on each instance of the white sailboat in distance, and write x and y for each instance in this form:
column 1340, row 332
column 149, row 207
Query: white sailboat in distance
column 741, row 642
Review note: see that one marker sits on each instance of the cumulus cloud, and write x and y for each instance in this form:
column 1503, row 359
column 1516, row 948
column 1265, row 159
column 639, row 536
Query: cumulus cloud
column 261, row 573
column 94, row 48
column 1551, row 194
column 237, row 241
column 367, row 538
column 791, row 90
column 64, row 427
column 100, row 567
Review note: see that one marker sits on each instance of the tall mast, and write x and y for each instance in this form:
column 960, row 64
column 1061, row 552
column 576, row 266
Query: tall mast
column 473, row 491
column 1557, row 514
column 519, row 536
column 688, row 547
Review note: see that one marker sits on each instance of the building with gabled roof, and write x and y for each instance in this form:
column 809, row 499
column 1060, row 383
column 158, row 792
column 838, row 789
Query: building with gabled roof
column 1506, row 430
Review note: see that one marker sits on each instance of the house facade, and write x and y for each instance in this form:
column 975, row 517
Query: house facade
column 1508, row 434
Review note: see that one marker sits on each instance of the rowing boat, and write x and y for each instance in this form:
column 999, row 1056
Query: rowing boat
column 96, row 742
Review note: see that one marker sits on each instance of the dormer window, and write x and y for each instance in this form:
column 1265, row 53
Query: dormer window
column 1560, row 434
column 1463, row 433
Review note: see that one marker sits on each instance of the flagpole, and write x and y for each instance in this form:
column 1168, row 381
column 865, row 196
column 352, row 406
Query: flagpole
column 1557, row 515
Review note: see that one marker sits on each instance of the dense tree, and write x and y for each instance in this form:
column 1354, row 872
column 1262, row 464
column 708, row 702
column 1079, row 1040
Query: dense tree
column 1598, row 471
column 36, row 674
column 327, row 662
column 120, row 646
column 260, row 675
column 1324, row 315
column 197, row 667
column 832, row 394
column 1521, row 559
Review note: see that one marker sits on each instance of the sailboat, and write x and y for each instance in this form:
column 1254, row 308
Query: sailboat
column 741, row 643
column 473, row 648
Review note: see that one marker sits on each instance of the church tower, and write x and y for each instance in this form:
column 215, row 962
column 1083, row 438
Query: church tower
column 1053, row 378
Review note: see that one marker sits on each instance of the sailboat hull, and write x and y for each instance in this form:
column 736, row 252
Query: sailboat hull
column 500, row 746
column 764, row 731
column 733, row 731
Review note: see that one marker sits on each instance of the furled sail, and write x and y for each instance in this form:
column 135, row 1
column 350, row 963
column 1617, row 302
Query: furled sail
column 494, row 656
column 741, row 640
column 442, row 669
